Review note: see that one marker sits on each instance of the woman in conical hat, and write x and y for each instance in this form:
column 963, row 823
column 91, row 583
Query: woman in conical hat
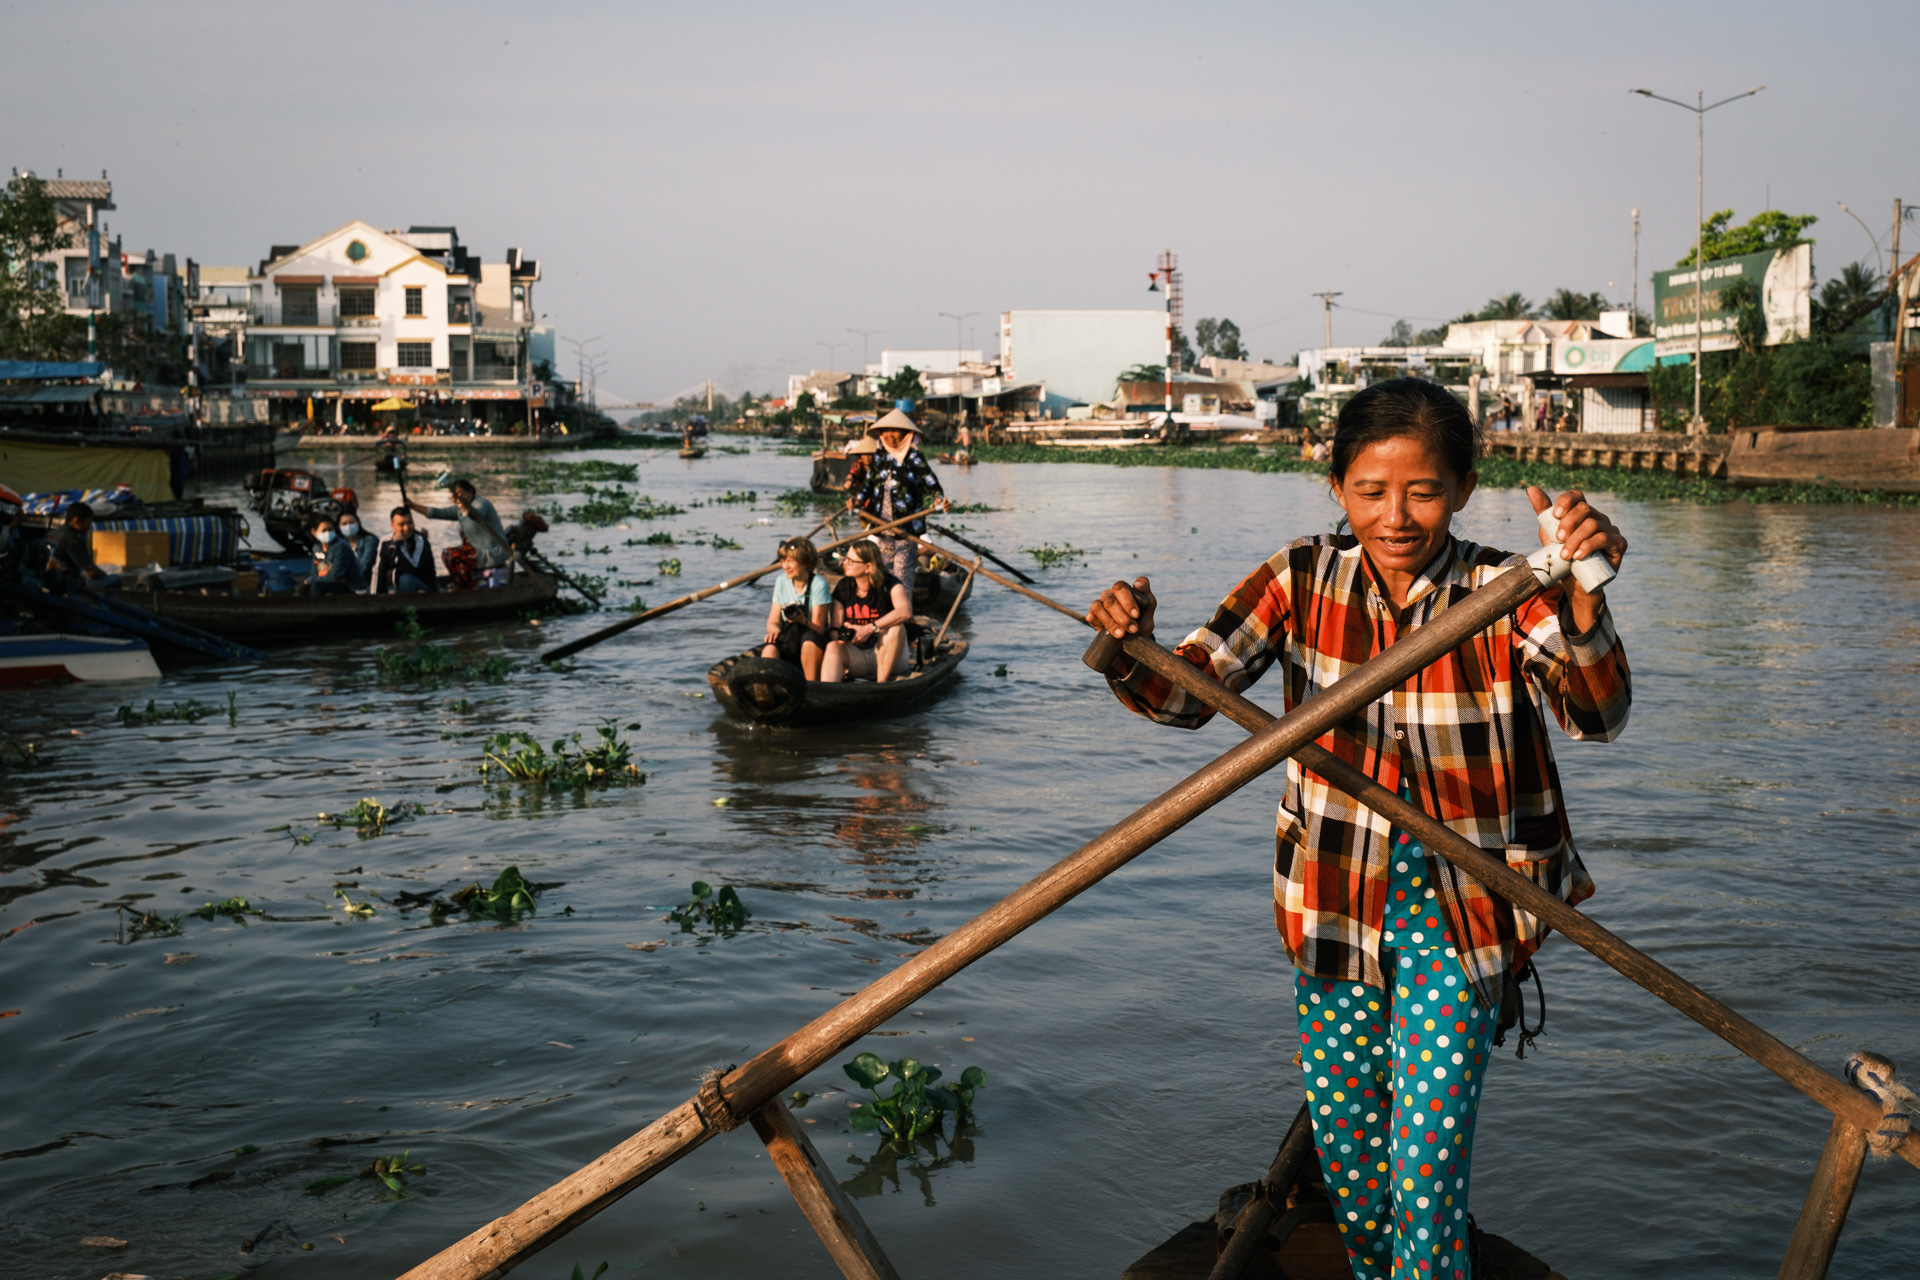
column 898, row 482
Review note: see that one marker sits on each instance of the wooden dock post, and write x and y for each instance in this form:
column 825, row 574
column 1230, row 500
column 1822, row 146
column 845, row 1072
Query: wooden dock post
column 1828, row 1200
column 849, row 1242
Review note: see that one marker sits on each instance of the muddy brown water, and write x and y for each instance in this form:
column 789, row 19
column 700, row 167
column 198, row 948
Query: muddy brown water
column 1755, row 829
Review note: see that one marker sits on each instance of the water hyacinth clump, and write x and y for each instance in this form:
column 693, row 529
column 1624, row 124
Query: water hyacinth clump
column 915, row 1105
column 566, row 764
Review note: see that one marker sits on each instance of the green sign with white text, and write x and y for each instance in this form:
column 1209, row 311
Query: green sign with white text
column 1782, row 277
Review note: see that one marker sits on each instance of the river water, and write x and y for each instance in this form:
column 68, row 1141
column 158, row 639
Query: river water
column 1754, row 829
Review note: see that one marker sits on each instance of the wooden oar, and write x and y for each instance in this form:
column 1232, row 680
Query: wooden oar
column 1825, row 1088
column 627, row 624
column 727, row 1099
column 958, row 596
column 948, row 533
column 945, row 532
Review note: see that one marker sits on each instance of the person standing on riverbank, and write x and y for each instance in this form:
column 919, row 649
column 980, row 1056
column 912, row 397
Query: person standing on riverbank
column 480, row 526
column 898, row 481
column 1403, row 961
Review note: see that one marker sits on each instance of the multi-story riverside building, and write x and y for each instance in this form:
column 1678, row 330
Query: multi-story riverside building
column 362, row 315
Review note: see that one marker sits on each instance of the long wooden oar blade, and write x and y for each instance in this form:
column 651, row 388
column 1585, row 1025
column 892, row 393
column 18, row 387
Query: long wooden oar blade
column 659, row 611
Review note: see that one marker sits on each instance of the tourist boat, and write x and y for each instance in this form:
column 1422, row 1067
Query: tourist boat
column 60, row 658
column 286, row 619
column 768, row 691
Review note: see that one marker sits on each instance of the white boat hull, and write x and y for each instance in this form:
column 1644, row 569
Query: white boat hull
column 58, row 658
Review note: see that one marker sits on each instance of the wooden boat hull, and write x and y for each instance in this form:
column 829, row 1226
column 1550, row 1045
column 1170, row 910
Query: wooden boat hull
column 829, row 472
column 1883, row 458
column 291, row 619
column 693, row 453
column 59, row 658
column 850, row 700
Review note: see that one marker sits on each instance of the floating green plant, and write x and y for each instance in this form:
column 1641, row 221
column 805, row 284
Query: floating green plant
column 369, row 817
column 1049, row 555
column 511, row 896
column 436, row 663
column 670, row 568
column 914, row 1106
column 546, row 476
column 521, row 758
column 612, row 505
column 722, row 543
column 723, row 910
column 391, row 1172
column 188, row 712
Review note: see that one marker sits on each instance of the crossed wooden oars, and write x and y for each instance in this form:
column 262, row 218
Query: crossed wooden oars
column 728, row 1099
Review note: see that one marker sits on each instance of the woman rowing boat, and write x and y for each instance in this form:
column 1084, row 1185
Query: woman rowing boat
column 1403, row 962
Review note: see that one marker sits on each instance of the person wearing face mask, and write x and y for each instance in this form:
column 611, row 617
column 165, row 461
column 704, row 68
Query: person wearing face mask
column 336, row 570
column 364, row 545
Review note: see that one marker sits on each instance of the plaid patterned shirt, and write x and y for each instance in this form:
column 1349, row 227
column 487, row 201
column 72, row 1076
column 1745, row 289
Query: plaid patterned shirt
column 1467, row 731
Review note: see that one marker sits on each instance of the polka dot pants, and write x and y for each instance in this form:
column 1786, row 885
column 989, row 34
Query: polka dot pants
column 1393, row 1084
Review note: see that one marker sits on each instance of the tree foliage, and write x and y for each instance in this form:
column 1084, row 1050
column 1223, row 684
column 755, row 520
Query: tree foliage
column 1816, row 381
column 31, row 304
column 1570, row 304
column 1220, row 338
column 1512, row 306
column 1763, row 231
column 903, row 385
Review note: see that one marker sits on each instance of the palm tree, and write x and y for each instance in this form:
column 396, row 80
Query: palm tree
column 1513, row 306
column 1849, row 296
column 1566, row 304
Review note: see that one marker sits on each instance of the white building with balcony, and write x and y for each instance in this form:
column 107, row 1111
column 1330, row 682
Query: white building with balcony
column 363, row 315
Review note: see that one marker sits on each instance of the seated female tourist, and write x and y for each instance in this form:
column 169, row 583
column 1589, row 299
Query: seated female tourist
column 870, row 612
column 797, row 619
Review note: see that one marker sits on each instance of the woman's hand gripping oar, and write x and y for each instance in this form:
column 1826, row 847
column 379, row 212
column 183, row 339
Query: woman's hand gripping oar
column 627, row 624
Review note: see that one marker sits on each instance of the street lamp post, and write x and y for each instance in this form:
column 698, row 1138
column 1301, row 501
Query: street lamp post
column 959, row 400
column 1877, row 252
column 1699, row 108
column 865, row 336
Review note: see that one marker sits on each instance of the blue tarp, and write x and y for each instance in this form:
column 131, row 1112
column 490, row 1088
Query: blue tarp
column 27, row 369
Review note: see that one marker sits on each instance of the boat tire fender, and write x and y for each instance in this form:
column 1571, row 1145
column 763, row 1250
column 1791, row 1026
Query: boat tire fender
column 767, row 689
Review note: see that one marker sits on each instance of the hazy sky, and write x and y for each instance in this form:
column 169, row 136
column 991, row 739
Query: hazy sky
column 717, row 189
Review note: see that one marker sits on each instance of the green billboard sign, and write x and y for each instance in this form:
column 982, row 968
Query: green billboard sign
column 1783, row 278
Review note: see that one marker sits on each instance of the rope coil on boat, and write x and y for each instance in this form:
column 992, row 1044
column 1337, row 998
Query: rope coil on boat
column 1870, row 1071
column 712, row 1104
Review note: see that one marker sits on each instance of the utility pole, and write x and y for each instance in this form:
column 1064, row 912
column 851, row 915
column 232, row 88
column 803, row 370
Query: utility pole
column 1633, row 316
column 1327, row 296
column 1699, row 108
column 1902, row 294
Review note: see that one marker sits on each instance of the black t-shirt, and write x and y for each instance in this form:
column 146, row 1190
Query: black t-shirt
column 865, row 610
